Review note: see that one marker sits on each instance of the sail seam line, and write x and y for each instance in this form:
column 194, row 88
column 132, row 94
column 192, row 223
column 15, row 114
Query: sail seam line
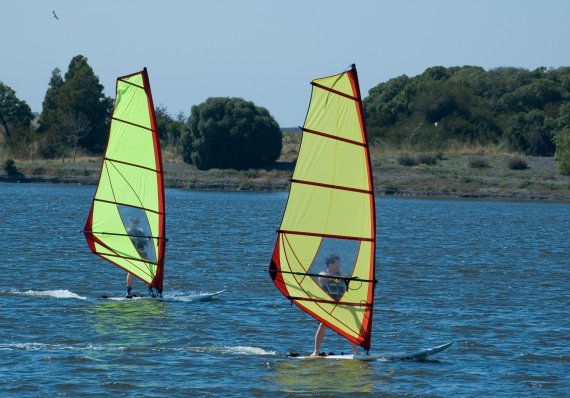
column 132, row 124
column 329, row 302
column 284, row 231
column 125, row 204
column 128, row 258
column 334, row 91
column 131, row 164
column 131, row 83
column 319, row 184
column 334, row 137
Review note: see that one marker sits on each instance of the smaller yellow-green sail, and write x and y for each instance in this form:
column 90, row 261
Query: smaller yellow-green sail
column 330, row 212
column 126, row 223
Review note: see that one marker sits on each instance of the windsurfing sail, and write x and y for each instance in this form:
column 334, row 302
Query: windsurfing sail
column 126, row 222
column 330, row 211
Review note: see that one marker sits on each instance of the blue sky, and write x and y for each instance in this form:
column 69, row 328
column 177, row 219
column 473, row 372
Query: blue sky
column 268, row 51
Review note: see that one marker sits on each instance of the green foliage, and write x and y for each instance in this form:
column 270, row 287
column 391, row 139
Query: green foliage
column 170, row 130
column 231, row 133
column 529, row 133
column 479, row 163
column 562, row 155
column 517, row 163
column 75, row 111
column 14, row 113
column 407, row 160
column 514, row 107
column 11, row 169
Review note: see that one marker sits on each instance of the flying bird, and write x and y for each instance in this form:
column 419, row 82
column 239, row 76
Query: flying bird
column 55, row 15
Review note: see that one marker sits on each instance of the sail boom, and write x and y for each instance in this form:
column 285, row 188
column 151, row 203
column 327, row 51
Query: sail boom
column 347, row 279
column 118, row 234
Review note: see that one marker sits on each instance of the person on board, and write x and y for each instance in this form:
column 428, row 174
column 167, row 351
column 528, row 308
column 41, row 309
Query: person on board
column 335, row 288
column 140, row 241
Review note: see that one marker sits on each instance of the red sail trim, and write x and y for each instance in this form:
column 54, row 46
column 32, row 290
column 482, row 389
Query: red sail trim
column 124, row 204
column 334, row 137
column 159, row 278
column 133, row 124
column 284, row 231
column 353, row 78
column 334, row 91
column 329, row 301
column 341, row 187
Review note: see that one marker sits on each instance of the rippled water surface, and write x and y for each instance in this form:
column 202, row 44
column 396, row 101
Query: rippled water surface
column 493, row 277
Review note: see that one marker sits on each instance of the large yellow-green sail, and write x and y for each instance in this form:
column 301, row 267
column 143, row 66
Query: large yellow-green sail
column 126, row 222
column 330, row 211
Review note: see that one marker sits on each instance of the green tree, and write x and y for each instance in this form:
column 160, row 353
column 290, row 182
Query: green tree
column 13, row 112
column 170, row 129
column 562, row 156
column 231, row 133
column 530, row 133
column 78, row 97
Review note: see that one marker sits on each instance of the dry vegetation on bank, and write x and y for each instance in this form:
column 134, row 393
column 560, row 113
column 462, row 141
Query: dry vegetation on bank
column 481, row 172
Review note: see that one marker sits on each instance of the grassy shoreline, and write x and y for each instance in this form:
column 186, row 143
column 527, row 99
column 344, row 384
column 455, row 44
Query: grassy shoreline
column 452, row 176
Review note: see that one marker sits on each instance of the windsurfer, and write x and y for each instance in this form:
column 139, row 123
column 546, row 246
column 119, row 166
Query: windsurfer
column 335, row 288
column 140, row 241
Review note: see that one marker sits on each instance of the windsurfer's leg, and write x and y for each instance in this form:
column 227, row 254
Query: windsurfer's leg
column 150, row 291
column 319, row 337
column 129, row 282
column 353, row 346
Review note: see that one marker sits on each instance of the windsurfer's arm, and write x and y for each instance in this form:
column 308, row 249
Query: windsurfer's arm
column 323, row 282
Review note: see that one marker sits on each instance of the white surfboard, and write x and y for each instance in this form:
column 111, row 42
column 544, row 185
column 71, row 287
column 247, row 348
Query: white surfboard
column 415, row 356
column 189, row 298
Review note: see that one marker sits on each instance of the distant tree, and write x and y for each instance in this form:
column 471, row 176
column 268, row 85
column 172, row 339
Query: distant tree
column 231, row 133
column 170, row 129
column 529, row 133
column 11, row 169
column 80, row 93
column 562, row 155
column 77, row 126
column 13, row 112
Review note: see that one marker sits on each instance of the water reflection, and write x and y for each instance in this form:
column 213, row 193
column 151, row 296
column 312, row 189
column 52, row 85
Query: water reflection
column 132, row 324
column 311, row 376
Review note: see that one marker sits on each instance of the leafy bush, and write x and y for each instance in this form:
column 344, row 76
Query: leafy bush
column 11, row 169
column 427, row 158
column 231, row 133
column 407, row 160
column 479, row 163
column 563, row 151
column 518, row 164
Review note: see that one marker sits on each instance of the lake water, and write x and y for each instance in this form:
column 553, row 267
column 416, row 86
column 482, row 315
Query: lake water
column 493, row 277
